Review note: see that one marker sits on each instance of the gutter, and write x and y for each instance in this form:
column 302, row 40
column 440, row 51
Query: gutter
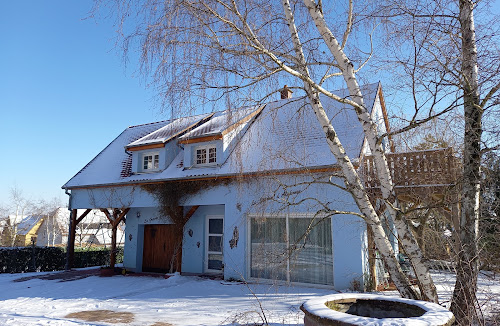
column 329, row 168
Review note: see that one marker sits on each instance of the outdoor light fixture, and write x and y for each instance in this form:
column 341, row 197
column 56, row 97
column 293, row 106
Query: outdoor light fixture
column 138, row 214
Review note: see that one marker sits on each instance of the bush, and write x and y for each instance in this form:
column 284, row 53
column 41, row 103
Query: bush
column 31, row 259
column 95, row 257
column 45, row 259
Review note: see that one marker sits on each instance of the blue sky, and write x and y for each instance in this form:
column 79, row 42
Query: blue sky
column 64, row 94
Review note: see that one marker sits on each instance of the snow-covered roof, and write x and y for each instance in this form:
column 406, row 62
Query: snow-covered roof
column 284, row 135
column 108, row 165
column 169, row 131
column 27, row 224
column 219, row 122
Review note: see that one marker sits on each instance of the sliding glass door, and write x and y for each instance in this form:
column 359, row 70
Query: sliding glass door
column 293, row 248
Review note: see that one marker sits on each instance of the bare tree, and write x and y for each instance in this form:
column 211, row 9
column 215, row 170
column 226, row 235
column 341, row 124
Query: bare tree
column 19, row 208
column 241, row 52
column 47, row 210
column 452, row 64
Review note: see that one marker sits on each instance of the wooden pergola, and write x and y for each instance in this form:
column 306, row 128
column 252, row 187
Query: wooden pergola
column 115, row 216
column 428, row 178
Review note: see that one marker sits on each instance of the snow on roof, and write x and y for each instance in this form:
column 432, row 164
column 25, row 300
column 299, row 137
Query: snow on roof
column 27, row 223
column 171, row 130
column 219, row 122
column 286, row 135
column 108, row 164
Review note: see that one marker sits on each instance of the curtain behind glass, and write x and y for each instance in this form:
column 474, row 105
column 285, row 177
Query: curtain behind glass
column 311, row 257
column 269, row 248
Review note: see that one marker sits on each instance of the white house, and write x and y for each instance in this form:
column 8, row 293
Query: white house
column 248, row 183
column 93, row 230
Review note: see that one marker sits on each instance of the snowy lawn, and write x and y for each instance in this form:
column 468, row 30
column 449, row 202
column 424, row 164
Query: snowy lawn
column 179, row 300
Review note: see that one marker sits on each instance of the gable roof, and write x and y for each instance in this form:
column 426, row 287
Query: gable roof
column 282, row 135
column 28, row 223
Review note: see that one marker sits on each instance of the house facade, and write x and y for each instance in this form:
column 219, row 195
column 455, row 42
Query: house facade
column 250, row 193
column 93, row 230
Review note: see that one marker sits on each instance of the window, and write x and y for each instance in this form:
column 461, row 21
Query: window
column 206, row 155
column 150, row 161
column 287, row 248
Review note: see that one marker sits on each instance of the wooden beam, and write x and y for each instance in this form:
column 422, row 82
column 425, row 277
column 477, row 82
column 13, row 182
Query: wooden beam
column 70, row 249
column 242, row 121
column 143, row 147
column 78, row 220
column 108, row 215
column 120, row 216
column 70, row 246
column 190, row 213
column 114, row 220
column 200, row 139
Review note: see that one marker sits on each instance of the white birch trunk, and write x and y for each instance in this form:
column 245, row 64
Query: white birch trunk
column 353, row 182
column 405, row 236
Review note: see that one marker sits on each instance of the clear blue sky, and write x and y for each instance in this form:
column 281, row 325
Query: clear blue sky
column 64, row 94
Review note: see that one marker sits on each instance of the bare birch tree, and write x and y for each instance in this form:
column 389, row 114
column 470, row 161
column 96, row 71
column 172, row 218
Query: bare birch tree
column 19, row 207
column 203, row 51
column 450, row 65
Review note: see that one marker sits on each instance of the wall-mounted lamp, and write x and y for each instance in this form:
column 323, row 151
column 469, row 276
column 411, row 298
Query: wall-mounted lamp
column 138, row 214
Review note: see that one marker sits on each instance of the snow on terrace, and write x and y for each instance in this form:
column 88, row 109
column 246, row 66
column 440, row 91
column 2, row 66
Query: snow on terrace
column 179, row 300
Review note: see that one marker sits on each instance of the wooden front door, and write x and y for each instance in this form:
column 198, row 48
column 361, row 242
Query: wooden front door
column 162, row 249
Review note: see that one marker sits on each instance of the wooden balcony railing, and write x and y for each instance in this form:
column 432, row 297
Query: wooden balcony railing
column 436, row 167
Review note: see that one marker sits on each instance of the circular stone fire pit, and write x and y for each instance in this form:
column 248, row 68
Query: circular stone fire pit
column 370, row 309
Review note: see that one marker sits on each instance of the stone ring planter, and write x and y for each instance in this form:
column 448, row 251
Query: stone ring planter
column 370, row 309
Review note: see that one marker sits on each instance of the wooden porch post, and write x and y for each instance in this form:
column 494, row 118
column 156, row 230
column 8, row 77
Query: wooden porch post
column 114, row 219
column 70, row 246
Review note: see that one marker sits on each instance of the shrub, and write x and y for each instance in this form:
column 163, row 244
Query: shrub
column 45, row 259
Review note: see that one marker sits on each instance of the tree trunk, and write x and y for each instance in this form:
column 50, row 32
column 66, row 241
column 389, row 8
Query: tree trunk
column 405, row 236
column 112, row 258
column 464, row 300
column 352, row 180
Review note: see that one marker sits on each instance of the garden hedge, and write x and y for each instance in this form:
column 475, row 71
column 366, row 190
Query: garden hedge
column 44, row 259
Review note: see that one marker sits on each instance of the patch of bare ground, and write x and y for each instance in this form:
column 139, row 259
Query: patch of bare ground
column 64, row 276
column 160, row 323
column 108, row 316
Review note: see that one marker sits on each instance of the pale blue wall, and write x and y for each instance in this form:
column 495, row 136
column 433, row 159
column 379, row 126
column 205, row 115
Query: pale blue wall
column 193, row 257
column 235, row 201
column 134, row 234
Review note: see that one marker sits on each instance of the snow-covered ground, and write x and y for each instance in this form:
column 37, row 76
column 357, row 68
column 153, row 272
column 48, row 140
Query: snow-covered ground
column 179, row 300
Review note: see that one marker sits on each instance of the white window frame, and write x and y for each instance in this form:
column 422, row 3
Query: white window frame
column 153, row 155
column 207, row 155
column 207, row 252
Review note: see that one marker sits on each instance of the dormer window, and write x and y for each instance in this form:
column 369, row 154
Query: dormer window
column 206, row 155
column 150, row 161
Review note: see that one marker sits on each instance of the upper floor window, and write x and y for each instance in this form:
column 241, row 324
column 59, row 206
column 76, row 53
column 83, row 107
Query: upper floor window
column 206, row 155
column 150, row 161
